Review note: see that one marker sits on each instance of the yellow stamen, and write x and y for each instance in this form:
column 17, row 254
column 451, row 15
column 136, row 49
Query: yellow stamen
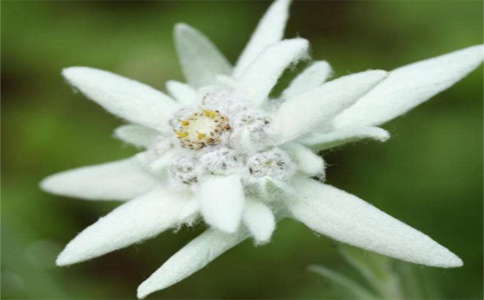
column 201, row 136
column 181, row 134
column 209, row 113
column 184, row 123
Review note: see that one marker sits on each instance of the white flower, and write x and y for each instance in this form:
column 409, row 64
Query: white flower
column 220, row 150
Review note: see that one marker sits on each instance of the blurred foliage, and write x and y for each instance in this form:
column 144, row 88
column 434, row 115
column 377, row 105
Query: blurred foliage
column 383, row 278
column 428, row 175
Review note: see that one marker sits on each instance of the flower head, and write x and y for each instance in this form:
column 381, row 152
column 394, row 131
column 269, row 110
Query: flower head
column 218, row 149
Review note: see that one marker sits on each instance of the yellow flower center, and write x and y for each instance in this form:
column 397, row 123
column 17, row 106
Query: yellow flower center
column 202, row 129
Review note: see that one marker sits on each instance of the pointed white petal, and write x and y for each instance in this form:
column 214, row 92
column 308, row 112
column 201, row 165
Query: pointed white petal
column 409, row 86
column 200, row 59
column 260, row 220
column 269, row 31
column 222, row 202
column 123, row 97
column 301, row 114
column 182, row 92
column 191, row 258
column 322, row 141
column 348, row 219
column 312, row 77
column 132, row 222
column 261, row 76
column 137, row 135
column 119, row 180
column 306, row 160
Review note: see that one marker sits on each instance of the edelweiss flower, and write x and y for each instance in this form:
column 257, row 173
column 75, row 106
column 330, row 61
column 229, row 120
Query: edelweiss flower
column 219, row 149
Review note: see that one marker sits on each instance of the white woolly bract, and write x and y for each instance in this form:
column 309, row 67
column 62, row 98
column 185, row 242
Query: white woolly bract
column 137, row 135
column 269, row 31
column 312, row 77
column 119, row 180
column 260, row 220
column 301, row 114
column 189, row 212
column 123, row 97
column 130, row 223
column 182, row 92
column 308, row 162
column 191, row 258
column 261, row 76
column 409, row 86
column 222, row 202
column 200, row 59
column 321, row 141
column 348, row 219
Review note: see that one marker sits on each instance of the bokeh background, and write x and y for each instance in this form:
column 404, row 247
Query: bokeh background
column 429, row 175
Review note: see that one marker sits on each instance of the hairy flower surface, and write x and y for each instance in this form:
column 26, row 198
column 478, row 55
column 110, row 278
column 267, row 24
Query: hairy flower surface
column 218, row 149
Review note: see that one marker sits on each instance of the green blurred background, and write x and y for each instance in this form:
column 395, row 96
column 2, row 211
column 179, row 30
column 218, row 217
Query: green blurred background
column 428, row 175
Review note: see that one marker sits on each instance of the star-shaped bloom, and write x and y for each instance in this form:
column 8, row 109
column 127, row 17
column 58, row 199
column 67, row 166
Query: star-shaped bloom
column 221, row 150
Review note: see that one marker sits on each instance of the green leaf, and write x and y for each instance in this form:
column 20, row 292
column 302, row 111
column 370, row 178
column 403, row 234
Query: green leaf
column 357, row 291
column 376, row 269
